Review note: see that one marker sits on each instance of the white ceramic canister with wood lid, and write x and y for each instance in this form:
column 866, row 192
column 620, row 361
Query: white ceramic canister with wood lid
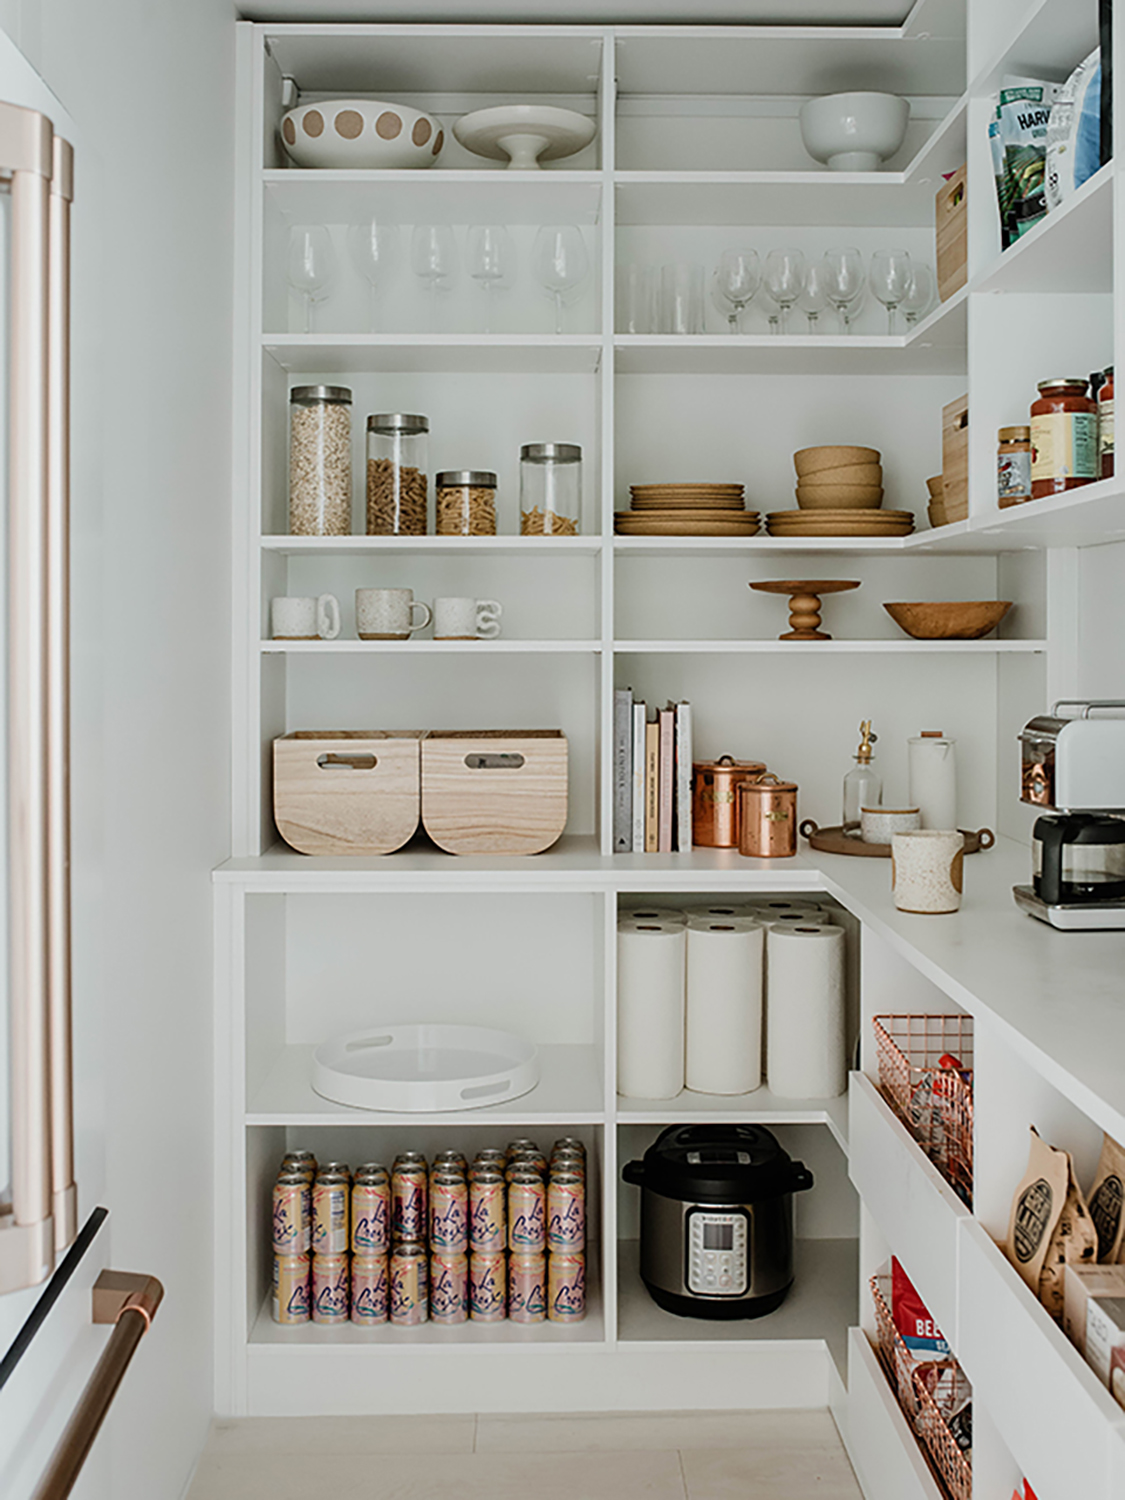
column 932, row 778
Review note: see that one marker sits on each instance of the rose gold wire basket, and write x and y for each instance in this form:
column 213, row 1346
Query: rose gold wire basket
column 898, row 1362
column 935, row 1103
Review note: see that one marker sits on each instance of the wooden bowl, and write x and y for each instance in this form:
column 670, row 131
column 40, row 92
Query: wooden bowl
column 937, row 515
column 846, row 474
column 839, row 496
column 811, row 460
column 957, row 621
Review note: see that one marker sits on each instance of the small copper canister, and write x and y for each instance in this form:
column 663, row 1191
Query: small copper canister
column 714, row 800
column 767, row 825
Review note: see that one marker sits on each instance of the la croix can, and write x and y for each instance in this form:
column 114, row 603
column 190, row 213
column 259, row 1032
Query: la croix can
column 527, row 1288
column 520, row 1146
column 330, row 1215
column 566, row 1212
column 446, row 1161
column 488, row 1287
column 334, row 1169
column 292, row 1215
column 527, row 1161
column 487, row 1218
column 410, row 1293
column 449, row 1286
column 370, row 1289
column 449, row 1212
column 527, row 1213
column 371, row 1216
column 290, row 1297
column 566, row 1286
column 569, row 1143
column 330, row 1288
column 409, row 1201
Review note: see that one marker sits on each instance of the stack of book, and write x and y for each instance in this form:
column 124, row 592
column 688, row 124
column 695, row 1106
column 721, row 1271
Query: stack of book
column 651, row 777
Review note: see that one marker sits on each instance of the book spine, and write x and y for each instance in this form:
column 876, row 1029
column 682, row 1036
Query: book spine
column 638, row 778
column 652, row 786
column 667, row 779
column 622, row 770
column 683, row 778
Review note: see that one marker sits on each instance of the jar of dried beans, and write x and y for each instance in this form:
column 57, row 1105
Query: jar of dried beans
column 465, row 502
column 320, row 460
column 397, row 474
column 550, row 489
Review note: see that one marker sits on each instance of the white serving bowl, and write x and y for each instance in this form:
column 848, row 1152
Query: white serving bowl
column 350, row 133
column 854, row 132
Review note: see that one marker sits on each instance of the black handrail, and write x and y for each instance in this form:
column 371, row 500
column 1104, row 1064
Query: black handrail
column 51, row 1294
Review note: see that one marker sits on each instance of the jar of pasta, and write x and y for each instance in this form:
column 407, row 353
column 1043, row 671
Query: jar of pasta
column 397, row 475
column 550, row 489
column 320, row 460
column 466, row 502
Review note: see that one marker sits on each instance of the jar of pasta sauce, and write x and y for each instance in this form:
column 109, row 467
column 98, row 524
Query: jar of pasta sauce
column 1064, row 437
column 1105, row 424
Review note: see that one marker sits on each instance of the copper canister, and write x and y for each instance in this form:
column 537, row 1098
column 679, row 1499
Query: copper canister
column 714, row 800
column 767, row 818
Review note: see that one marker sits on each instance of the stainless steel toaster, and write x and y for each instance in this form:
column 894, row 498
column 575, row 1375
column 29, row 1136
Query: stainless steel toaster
column 1075, row 762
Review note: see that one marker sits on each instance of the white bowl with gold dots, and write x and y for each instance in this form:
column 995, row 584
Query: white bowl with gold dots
column 361, row 133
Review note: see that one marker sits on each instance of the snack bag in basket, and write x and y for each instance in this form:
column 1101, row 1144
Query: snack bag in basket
column 1107, row 1201
column 918, row 1331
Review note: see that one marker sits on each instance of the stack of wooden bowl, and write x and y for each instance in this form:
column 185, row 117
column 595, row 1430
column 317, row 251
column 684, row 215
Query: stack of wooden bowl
column 839, row 493
column 936, row 487
column 687, row 510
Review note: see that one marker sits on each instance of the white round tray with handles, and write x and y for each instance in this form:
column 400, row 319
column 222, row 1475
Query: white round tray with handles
column 425, row 1069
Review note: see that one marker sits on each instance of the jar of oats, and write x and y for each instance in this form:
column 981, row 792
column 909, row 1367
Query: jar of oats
column 397, row 474
column 466, row 502
column 320, row 460
column 550, row 489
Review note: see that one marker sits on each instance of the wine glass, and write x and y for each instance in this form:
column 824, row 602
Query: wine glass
column 491, row 261
column 433, row 256
column 919, row 295
column 890, row 276
column 374, row 248
column 784, row 280
column 844, row 280
column 738, row 276
column 814, row 295
column 560, row 262
column 312, row 265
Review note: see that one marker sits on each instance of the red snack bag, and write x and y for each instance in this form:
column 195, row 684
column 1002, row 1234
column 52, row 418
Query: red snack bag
column 918, row 1331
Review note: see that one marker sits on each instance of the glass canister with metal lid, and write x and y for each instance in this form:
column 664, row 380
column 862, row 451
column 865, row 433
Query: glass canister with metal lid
column 465, row 502
column 767, row 821
column 550, row 489
column 397, row 474
column 320, row 460
column 714, row 799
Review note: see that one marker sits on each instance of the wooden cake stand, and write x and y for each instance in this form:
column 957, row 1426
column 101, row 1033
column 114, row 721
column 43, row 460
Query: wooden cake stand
column 804, row 603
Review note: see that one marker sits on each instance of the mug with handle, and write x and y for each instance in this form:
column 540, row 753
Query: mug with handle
column 388, row 614
column 466, row 619
column 927, row 870
column 305, row 619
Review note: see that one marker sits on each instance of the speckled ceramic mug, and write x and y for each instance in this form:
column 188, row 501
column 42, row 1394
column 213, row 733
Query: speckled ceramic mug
column 926, row 870
column 880, row 824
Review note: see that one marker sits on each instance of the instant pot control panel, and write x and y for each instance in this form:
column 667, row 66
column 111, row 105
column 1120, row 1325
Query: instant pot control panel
column 717, row 1253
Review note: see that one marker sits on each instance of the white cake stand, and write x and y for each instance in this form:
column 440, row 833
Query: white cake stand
column 525, row 133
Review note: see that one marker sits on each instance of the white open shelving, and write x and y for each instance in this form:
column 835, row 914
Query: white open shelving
column 307, row 946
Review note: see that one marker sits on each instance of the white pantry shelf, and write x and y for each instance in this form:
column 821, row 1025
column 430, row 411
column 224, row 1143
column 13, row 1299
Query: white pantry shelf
column 480, row 648
column 435, row 353
column 845, row 648
column 803, row 198
column 1071, row 250
column 470, row 546
column 786, row 354
column 475, row 195
column 570, row 1091
column 716, row 1109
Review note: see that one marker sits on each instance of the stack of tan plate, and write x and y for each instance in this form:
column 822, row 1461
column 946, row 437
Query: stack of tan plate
column 687, row 510
column 839, row 493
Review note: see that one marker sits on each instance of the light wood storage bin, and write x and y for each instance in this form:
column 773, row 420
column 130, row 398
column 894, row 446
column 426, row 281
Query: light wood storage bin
column 347, row 791
column 955, row 459
column 951, row 228
column 494, row 791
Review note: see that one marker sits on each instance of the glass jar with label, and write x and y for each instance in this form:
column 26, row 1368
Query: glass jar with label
column 1105, row 426
column 465, row 502
column 397, row 475
column 1064, row 437
column 550, row 489
column 1013, row 466
column 320, row 460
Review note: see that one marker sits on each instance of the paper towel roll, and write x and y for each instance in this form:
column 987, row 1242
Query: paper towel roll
column 805, row 1012
column 724, row 1005
column 932, row 779
column 637, row 912
column 721, row 911
column 650, row 1008
column 797, row 919
column 779, row 904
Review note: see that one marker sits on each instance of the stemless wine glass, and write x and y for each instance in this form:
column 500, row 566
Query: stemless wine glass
column 890, row 276
column 784, row 280
column 312, row 265
column 738, row 276
column 844, row 281
column 492, row 258
column 433, row 256
column 374, row 247
column 919, row 294
column 560, row 262
column 814, row 295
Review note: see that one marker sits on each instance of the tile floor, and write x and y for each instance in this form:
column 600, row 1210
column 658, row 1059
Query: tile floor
column 763, row 1455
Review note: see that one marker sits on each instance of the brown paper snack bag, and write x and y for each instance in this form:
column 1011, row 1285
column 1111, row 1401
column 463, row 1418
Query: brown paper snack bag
column 1036, row 1208
column 1107, row 1200
column 1074, row 1242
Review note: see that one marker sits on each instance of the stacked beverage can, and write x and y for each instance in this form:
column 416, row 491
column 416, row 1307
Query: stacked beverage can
column 409, row 1197
column 450, row 1161
column 409, row 1284
column 330, row 1288
column 449, row 1286
column 302, row 1162
column 330, row 1204
column 566, row 1286
column 487, row 1217
column 370, row 1289
column 488, row 1286
column 527, row 1212
column 290, row 1298
column 449, row 1212
column 292, row 1214
column 334, row 1169
column 527, row 1287
column 566, row 1212
column 371, row 1212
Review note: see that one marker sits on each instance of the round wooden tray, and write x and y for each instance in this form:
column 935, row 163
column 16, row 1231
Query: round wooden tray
column 836, row 841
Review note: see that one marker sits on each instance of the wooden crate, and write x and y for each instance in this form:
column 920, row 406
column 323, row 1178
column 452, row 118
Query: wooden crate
column 955, row 459
column 494, row 791
column 347, row 791
column 951, row 229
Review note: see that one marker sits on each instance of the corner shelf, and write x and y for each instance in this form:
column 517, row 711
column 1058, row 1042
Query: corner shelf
column 830, row 648
column 436, row 353
column 468, row 546
column 475, row 649
column 760, row 1106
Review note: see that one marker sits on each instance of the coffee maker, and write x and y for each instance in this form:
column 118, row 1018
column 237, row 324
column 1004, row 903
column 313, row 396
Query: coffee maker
column 1074, row 766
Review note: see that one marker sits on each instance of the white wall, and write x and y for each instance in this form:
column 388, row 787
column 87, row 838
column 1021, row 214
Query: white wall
column 150, row 86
